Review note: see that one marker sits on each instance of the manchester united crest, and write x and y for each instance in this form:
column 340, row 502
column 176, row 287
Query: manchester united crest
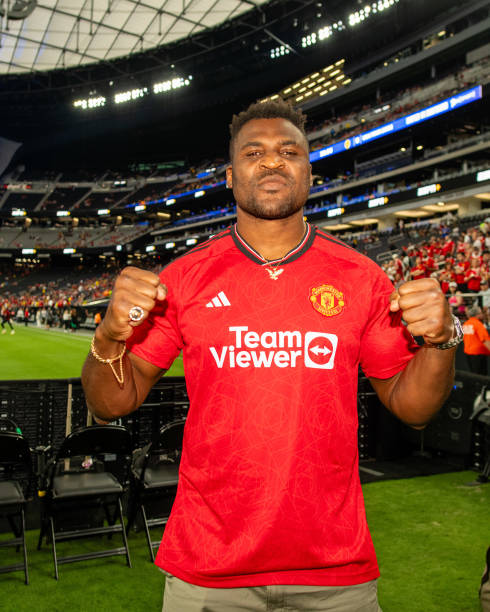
column 327, row 300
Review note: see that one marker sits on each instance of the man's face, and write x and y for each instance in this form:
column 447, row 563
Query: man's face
column 270, row 172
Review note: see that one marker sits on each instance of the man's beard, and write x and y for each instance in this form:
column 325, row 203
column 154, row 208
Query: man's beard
column 280, row 209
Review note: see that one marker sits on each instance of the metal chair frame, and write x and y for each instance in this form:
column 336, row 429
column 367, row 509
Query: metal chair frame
column 15, row 469
column 95, row 442
column 168, row 440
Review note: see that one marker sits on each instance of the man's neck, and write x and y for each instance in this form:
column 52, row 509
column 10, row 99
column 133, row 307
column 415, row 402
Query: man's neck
column 273, row 239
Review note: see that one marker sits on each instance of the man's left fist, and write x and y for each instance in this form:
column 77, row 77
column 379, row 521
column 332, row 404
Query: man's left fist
column 424, row 309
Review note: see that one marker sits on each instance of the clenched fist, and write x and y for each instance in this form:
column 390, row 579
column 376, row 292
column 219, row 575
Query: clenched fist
column 425, row 310
column 133, row 287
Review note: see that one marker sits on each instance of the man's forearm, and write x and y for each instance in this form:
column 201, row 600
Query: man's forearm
column 106, row 398
column 110, row 392
column 423, row 386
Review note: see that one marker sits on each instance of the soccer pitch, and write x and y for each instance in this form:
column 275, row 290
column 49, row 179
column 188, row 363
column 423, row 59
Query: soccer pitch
column 33, row 353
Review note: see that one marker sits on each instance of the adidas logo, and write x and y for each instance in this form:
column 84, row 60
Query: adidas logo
column 219, row 300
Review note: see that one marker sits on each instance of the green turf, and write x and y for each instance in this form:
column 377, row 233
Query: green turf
column 33, row 353
column 430, row 533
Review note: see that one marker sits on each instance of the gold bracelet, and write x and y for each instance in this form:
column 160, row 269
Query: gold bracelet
column 120, row 377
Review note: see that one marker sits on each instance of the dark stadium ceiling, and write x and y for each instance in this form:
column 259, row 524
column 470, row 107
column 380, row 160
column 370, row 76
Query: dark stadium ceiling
column 231, row 65
column 72, row 45
column 40, row 35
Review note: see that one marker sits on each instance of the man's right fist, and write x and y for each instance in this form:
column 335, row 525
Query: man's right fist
column 133, row 287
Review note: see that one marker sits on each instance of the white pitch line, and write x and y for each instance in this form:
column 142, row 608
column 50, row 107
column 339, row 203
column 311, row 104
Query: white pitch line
column 368, row 471
column 61, row 333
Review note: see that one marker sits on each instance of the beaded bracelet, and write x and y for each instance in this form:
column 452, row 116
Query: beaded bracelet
column 120, row 377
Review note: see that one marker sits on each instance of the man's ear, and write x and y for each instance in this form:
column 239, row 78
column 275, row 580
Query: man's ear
column 229, row 177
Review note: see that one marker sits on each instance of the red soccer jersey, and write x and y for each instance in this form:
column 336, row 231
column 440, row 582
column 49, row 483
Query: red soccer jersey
column 269, row 489
column 447, row 248
column 419, row 271
column 429, row 265
column 460, row 268
column 473, row 279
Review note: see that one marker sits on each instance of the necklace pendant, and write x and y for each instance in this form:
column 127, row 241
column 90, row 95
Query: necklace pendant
column 274, row 272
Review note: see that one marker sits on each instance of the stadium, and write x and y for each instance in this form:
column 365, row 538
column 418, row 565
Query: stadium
column 114, row 152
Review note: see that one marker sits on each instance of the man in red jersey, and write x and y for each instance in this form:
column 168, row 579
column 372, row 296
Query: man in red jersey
column 273, row 316
column 418, row 270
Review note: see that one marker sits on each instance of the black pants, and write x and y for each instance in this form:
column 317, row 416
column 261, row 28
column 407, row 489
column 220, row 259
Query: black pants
column 477, row 364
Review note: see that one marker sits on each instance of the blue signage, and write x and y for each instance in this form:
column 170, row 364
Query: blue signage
column 444, row 106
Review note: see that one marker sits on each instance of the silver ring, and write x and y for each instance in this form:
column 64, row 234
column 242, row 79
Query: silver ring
column 136, row 313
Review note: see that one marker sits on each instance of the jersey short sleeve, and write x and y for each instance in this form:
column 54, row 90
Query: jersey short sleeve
column 481, row 332
column 158, row 339
column 386, row 344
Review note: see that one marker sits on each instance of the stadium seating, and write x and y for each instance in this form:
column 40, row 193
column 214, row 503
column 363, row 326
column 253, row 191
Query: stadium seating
column 155, row 476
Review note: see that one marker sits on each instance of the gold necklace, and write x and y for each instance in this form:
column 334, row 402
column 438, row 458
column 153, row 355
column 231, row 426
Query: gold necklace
column 273, row 270
column 273, row 267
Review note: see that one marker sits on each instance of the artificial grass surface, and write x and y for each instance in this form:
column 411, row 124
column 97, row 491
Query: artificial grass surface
column 430, row 534
column 33, row 353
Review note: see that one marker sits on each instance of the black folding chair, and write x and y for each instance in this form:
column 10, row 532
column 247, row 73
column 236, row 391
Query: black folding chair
column 84, row 484
column 155, row 477
column 15, row 478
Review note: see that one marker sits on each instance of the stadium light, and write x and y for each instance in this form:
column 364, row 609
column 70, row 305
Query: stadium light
column 280, row 51
column 169, row 245
column 28, row 251
column 171, row 84
column 200, row 193
column 353, row 20
column 170, row 201
column 308, row 40
column 18, row 212
column 484, row 175
column 150, row 248
column 69, row 251
column 325, row 32
column 86, row 103
column 118, row 247
column 140, row 208
column 63, row 213
column 128, row 96
column 190, row 241
column 103, row 211
column 370, row 9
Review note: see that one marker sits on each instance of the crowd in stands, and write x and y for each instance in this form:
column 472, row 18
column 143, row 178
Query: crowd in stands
column 397, row 104
column 56, row 300
column 174, row 182
column 458, row 259
column 61, row 236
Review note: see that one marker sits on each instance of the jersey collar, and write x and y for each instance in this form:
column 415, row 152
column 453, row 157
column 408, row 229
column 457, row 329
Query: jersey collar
column 293, row 254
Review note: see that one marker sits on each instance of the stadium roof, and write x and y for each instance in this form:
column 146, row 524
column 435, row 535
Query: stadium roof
column 43, row 35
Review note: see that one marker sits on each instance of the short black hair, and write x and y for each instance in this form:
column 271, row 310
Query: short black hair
column 271, row 109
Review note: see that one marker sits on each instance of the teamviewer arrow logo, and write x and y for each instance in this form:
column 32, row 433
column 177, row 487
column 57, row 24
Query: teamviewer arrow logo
column 320, row 350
